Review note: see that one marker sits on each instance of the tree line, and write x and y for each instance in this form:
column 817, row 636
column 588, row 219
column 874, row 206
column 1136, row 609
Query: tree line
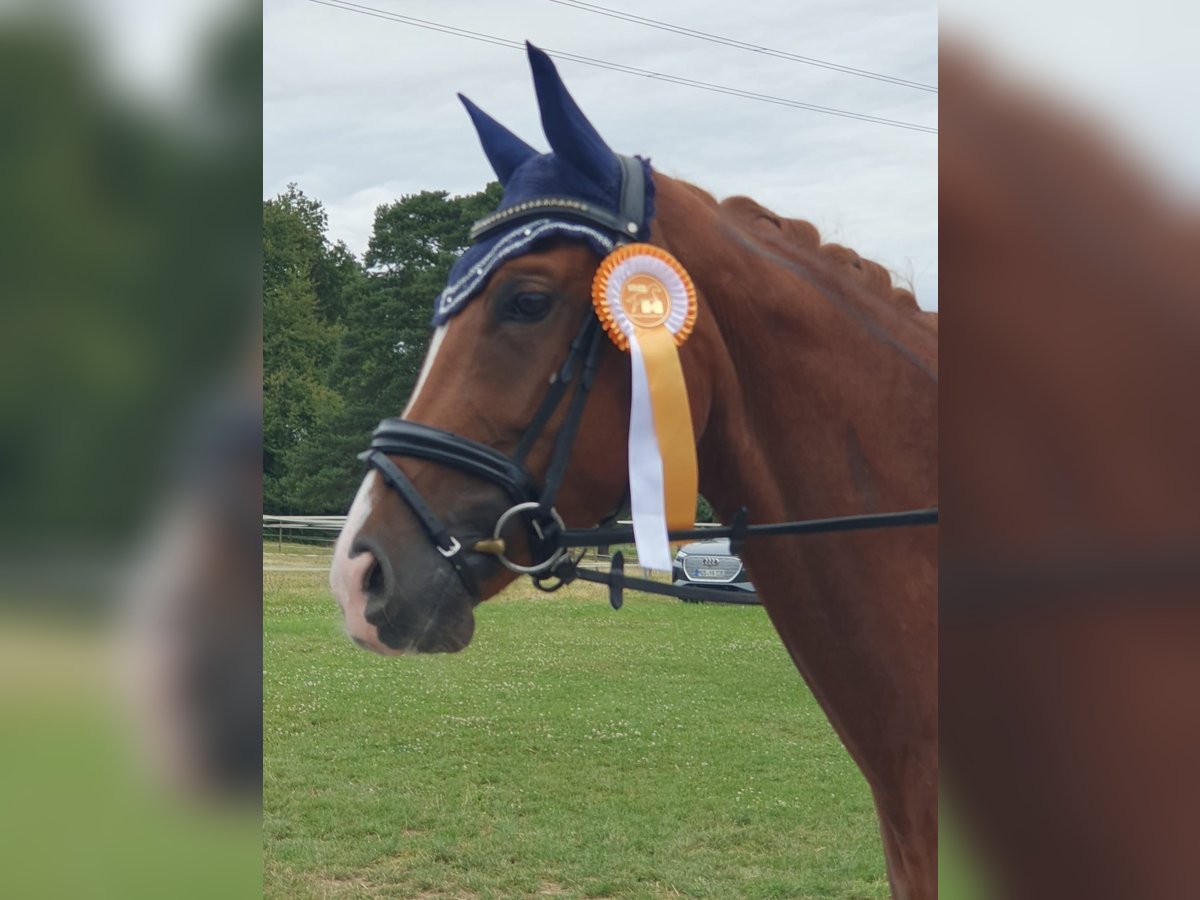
column 344, row 338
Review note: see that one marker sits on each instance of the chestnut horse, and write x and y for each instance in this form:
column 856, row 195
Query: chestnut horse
column 813, row 391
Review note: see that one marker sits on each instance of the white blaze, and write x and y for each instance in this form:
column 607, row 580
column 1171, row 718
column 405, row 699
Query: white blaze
column 346, row 574
column 435, row 344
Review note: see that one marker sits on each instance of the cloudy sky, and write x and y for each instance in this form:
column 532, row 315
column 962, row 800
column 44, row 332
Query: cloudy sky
column 360, row 110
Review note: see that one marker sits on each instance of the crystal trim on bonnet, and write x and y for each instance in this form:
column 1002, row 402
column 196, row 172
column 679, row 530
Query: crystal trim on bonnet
column 500, row 215
column 512, row 244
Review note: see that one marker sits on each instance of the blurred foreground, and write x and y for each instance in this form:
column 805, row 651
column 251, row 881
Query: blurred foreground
column 1070, row 606
column 130, row 604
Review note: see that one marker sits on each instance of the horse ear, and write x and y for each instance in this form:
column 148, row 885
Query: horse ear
column 570, row 134
column 504, row 150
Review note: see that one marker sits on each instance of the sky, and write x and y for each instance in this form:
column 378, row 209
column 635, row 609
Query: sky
column 360, row 110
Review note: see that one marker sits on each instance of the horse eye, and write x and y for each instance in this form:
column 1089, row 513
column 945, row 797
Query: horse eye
column 526, row 307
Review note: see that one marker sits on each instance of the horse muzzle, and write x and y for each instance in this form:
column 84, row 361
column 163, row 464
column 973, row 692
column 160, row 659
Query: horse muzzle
column 397, row 606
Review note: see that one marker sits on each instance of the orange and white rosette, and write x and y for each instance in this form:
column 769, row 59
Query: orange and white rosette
column 647, row 304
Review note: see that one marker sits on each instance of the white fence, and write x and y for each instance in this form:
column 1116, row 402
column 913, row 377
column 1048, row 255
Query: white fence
column 305, row 529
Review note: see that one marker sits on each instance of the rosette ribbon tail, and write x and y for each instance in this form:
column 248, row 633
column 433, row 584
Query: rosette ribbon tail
column 662, row 447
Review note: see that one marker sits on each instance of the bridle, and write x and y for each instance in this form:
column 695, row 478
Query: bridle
column 550, row 541
column 399, row 437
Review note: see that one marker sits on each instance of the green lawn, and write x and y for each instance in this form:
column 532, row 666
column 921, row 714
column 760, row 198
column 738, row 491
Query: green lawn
column 79, row 818
column 664, row 750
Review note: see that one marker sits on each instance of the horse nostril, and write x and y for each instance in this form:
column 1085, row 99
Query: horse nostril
column 373, row 579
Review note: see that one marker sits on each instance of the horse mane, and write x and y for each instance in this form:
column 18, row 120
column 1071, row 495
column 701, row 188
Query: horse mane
column 800, row 241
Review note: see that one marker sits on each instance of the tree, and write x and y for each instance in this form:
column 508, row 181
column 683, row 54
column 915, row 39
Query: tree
column 295, row 246
column 383, row 330
column 427, row 230
column 305, row 280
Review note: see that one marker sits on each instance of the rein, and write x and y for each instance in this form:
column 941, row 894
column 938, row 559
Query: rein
column 550, row 541
column 737, row 532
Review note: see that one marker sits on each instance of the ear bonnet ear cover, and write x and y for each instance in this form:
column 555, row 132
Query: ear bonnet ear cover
column 581, row 167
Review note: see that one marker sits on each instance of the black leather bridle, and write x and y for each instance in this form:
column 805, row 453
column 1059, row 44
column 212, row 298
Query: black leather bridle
column 398, row 437
column 550, row 541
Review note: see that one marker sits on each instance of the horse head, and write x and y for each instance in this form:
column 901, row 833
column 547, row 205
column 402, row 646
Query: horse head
column 515, row 320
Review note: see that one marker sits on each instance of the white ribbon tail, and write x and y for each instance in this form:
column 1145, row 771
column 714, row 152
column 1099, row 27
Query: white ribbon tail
column 647, row 499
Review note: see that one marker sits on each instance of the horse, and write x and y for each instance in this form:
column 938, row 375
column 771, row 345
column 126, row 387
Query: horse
column 812, row 388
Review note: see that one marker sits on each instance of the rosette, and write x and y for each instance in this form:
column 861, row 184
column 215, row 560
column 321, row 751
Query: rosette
column 647, row 304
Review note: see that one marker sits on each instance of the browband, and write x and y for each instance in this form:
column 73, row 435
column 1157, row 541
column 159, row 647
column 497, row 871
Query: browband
column 625, row 225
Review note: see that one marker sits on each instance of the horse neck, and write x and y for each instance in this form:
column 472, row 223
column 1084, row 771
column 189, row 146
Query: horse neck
column 822, row 400
column 824, row 392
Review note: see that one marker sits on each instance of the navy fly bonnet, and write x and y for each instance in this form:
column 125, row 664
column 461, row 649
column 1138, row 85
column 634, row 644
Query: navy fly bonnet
column 581, row 190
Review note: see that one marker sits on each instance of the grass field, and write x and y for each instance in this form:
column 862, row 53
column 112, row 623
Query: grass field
column 665, row 750
column 78, row 816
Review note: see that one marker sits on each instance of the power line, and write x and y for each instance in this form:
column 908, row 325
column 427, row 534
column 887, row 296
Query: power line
column 619, row 67
column 743, row 45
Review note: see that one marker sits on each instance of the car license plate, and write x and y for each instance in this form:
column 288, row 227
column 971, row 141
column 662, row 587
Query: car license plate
column 711, row 569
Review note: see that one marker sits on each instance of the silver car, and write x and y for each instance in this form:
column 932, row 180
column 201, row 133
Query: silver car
column 711, row 564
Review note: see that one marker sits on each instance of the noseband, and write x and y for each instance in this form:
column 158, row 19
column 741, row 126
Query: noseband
column 550, row 541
